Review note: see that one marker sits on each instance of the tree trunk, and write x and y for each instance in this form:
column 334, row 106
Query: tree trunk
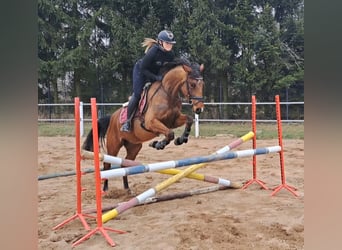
column 77, row 83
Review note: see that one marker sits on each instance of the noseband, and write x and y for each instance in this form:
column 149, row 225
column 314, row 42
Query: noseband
column 190, row 96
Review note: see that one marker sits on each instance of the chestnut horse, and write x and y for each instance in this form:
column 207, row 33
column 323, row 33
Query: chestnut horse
column 161, row 114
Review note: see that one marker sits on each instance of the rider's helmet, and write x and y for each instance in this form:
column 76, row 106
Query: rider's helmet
column 166, row 36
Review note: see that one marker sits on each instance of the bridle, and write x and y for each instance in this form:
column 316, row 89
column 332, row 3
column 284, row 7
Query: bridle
column 188, row 87
column 189, row 95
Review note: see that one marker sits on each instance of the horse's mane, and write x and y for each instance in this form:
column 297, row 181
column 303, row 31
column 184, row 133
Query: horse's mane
column 176, row 62
column 195, row 67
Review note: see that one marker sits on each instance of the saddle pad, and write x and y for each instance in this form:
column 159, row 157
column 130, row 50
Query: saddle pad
column 123, row 113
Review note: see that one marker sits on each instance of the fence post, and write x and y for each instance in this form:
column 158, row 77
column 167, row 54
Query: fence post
column 81, row 119
column 196, row 125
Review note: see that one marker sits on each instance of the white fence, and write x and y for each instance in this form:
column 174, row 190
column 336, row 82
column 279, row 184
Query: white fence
column 67, row 112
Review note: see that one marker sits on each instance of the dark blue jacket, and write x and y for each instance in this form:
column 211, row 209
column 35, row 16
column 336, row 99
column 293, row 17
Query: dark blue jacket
column 153, row 60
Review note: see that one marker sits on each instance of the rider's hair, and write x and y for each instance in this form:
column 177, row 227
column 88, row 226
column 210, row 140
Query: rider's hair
column 148, row 43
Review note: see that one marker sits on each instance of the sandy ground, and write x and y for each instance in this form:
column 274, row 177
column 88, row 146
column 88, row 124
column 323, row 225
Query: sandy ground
column 225, row 219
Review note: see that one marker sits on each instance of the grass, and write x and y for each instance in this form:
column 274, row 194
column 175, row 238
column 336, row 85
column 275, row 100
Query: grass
column 208, row 129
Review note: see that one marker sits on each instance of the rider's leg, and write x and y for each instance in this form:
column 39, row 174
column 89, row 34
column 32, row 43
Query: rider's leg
column 132, row 107
column 138, row 84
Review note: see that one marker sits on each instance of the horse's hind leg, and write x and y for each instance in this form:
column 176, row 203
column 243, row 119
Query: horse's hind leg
column 185, row 136
column 132, row 152
column 113, row 147
column 106, row 166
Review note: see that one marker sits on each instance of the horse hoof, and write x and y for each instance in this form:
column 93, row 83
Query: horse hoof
column 153, row 144
column 178, row 141
column 130, row 192
column 160, row 146
column 105, row 187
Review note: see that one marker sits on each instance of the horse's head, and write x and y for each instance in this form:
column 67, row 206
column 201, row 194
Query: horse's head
column 193, row 87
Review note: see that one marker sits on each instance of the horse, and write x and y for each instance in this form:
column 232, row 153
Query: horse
column 161, row 114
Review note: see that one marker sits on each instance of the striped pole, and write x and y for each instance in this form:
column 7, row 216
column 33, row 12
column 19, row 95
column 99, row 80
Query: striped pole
column 181, row 174
column 201, row 177
column 189, row 161
column 186, row 162
column 185, row 194
column 149, row 193
column 115, row 161
column 110, row 159
column 167, row 197
column 69, row 173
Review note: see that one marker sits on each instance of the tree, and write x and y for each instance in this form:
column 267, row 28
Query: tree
column 247, row 46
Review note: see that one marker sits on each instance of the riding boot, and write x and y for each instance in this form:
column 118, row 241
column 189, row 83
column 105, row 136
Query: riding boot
column 131, row 109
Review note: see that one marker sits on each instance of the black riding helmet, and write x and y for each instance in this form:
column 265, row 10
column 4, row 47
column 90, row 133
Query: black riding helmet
column 166, row 36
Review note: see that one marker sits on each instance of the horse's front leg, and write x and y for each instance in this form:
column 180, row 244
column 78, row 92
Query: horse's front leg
column 162, row 144
column 159, row 128
column 185, row 136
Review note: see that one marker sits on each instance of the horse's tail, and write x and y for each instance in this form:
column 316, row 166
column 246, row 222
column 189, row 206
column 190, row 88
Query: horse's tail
column 102, row 126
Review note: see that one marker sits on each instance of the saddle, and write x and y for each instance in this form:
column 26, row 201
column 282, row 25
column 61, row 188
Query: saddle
column 142, row 106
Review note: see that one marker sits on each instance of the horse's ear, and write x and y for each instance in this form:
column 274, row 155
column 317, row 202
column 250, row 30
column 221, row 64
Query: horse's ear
column 186, row 68
column 201, row 67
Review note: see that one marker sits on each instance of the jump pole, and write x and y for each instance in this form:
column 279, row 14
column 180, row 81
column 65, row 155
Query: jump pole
column 104, row 158
column 69, row 173
column 211, row 179
column 117, row 161
column 168, row 197
column 100, row 228
column 140, row 199
column 254, row 179
column 184, row 194
column 224, row 184
column 196, row 176
column 186, row 162
column 180, row 163
column 281, row 154
column 124, row 162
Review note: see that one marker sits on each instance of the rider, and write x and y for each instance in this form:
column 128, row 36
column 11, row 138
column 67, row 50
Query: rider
column 157, row 53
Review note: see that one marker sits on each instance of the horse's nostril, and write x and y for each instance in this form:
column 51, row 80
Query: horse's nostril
column 198, row 110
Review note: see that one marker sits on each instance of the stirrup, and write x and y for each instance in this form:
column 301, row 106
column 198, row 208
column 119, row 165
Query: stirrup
column 126, row 127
